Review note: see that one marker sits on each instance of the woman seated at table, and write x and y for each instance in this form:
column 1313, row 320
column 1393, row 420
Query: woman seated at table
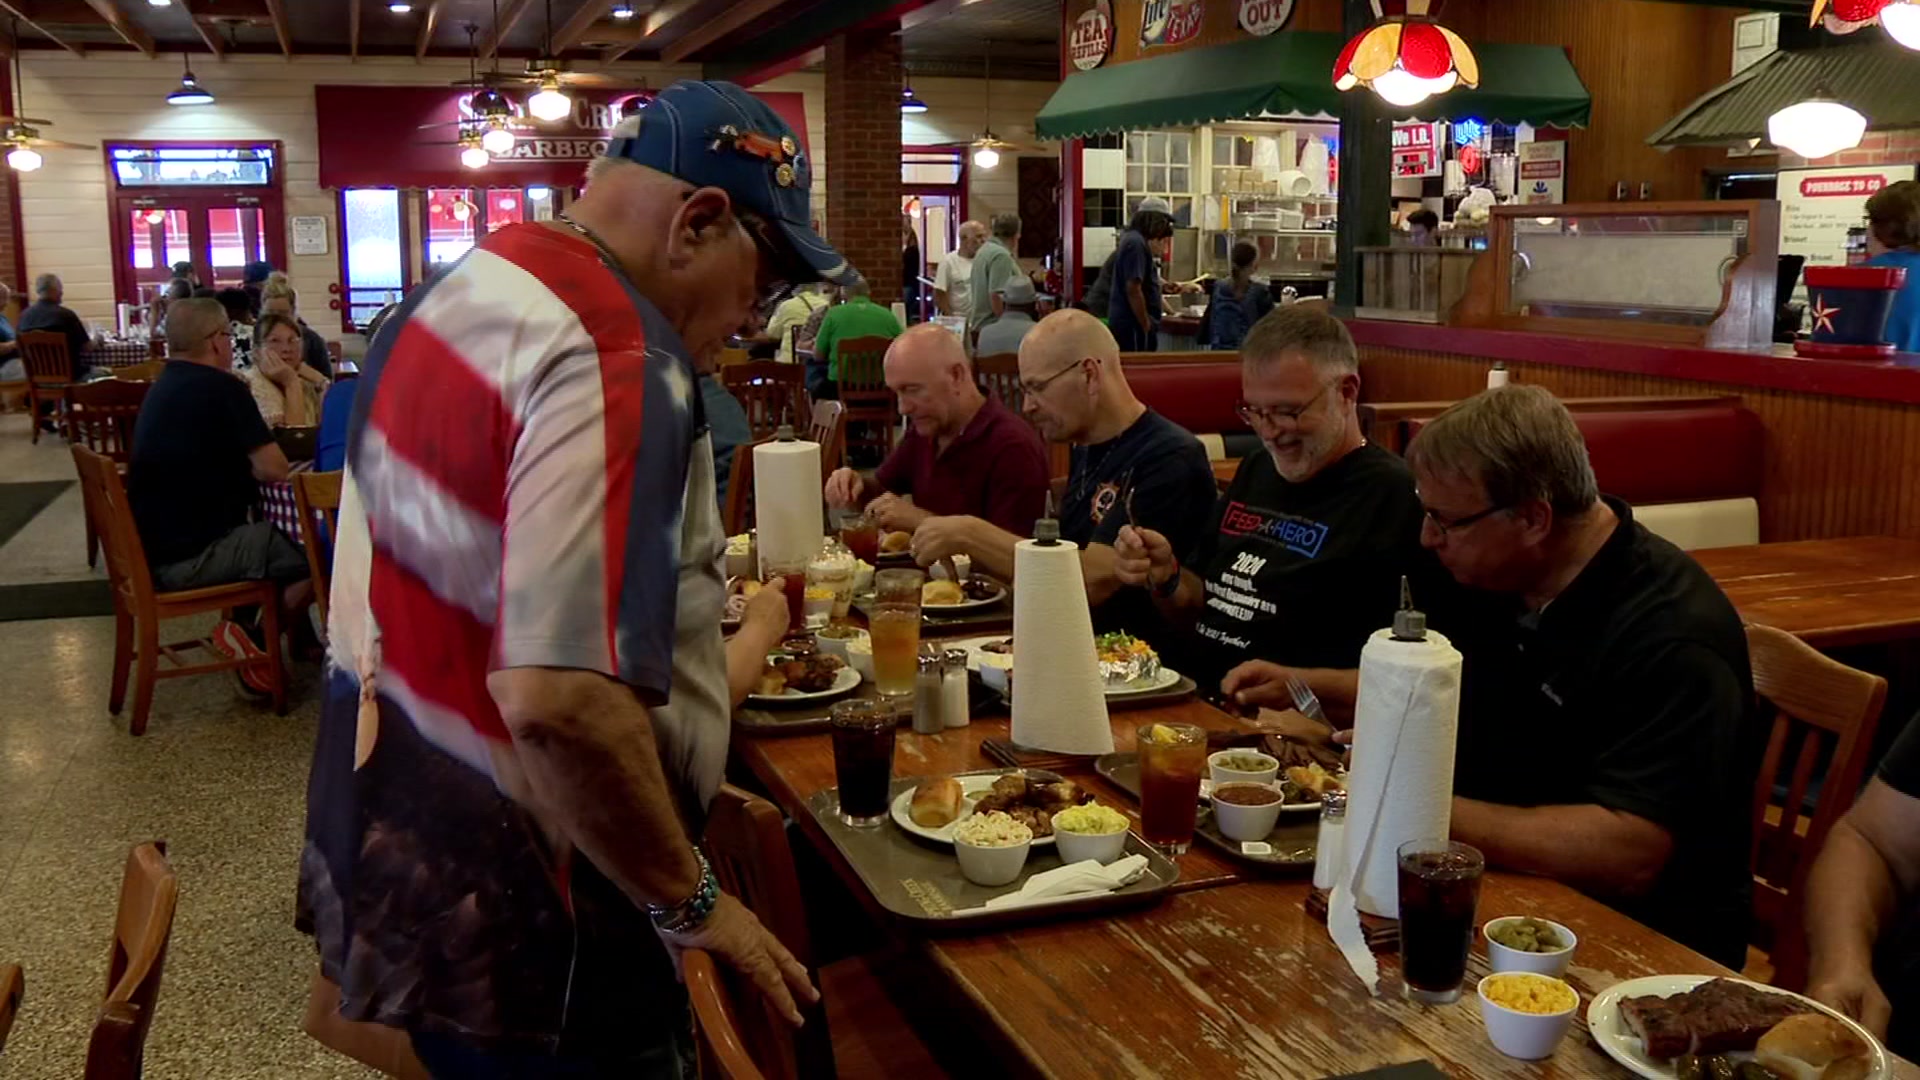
column 286, row 390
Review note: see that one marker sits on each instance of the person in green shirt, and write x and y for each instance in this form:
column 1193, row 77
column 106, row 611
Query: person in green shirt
column 858, row 317
column 993, row 265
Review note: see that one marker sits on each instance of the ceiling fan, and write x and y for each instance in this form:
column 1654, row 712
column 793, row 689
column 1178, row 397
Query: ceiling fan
column 547, row 73
column 20, row 135
column 491, row 123
column 986, row 146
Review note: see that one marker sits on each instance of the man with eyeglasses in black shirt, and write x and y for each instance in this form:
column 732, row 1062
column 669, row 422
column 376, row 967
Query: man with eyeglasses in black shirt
column 1302, row 558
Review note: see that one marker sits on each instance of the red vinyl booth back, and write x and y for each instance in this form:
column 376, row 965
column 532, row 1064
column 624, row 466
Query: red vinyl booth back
column 1198, row 396
column 1672, row 455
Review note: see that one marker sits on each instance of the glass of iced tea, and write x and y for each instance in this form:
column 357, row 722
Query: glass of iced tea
column 860, row 533
column 863, row 734
column 1439, row 889
column 1173, row 757
column 894, row 624
column 793, row 581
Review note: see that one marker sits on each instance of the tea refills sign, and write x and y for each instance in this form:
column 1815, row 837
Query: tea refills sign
column 1168, row 22
column 1263, row 17
column 1092, row 39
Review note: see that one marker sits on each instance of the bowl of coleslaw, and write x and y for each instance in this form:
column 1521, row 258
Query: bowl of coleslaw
column 992, row 848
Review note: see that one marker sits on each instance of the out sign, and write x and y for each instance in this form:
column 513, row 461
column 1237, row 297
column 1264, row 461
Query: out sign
column 1263, row 17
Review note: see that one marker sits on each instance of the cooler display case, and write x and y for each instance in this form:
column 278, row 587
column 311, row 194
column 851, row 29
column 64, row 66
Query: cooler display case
column 1697, row 273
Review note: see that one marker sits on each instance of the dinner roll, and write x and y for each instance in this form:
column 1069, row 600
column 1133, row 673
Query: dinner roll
column 896, row 543
column 937, row 802
column 1814, row 1046
column 941, row 593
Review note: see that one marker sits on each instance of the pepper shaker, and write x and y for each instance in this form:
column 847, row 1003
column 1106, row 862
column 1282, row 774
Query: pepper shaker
column 953, row 686
column 1329, row 853
column 929, row 701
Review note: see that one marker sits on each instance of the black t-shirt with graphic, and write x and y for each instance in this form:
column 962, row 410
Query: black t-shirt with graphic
column 1301, row 574
column 1167, row 471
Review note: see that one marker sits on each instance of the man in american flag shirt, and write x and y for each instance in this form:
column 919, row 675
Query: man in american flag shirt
column 527, row 699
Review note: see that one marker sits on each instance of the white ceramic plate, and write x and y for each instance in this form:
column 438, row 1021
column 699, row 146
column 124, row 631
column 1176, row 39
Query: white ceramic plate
column 1206, row 795
column 1000, row 593
column 1623, row 1046
column 845, row 680
column 973, row 785
column 1160, row 680
column 1166, row 678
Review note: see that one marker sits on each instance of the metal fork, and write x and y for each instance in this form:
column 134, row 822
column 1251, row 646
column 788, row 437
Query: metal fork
column 1304, row 699
column 1126, row 501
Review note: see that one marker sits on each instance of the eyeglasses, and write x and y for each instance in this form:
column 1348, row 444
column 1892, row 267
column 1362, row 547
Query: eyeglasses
column 1037, row 388
column 1273, row 416
column 1447, row 528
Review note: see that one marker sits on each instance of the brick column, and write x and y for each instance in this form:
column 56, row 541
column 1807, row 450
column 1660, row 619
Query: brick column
column 863, row 155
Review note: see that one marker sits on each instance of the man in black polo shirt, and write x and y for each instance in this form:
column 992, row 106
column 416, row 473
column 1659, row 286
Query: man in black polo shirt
column 200, row 451
column 47, row 313
column 1074, row 390
column 1863, row 899
column 1302, row 558
column 1607, row 731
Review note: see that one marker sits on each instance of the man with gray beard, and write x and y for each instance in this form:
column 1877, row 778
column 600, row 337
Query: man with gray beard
column 1303, row 557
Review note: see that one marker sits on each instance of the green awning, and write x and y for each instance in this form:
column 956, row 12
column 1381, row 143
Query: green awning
column 1878, row 78
column 1290, row 74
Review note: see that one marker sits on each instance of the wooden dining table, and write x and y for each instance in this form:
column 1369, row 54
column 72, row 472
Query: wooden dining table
column 1855, row 590
column 1229, row 976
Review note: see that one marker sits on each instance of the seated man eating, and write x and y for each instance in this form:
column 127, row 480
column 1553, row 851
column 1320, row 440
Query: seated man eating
column 1303, row 556
column 1129, row 463
column 964, row 453
column 1607, row 732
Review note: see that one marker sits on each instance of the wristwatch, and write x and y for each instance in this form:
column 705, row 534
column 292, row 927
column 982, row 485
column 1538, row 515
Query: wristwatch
column 688, row 915
column 1170, row 586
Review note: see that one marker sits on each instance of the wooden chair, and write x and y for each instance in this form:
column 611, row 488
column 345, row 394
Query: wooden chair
column 1820, row 708
column 49, row 372
column 829, row 429
column 140, row 373
column 739, row 508
column 317, row 494
column 716, row 1020
column 863, row 389
column 148, row 894
column 856, row 1024
column 100, row 416
column 138, row 608
column 999, row 376
column 772, row 393
column 13, row 989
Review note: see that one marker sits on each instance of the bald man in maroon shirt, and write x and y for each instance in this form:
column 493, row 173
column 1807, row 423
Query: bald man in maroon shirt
column 965, row 453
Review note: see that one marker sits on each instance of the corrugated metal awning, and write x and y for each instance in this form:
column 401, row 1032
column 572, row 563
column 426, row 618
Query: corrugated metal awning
column 1291, row 74
column 1878, row 78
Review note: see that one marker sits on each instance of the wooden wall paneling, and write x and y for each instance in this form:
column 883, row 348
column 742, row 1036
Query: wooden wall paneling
column 1834, row 466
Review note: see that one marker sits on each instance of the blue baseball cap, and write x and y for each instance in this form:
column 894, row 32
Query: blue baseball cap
column 715, row 134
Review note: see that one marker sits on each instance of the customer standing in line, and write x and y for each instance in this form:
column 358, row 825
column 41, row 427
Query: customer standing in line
column 953, row 281
column 1133, row 307
column 993, row 267
column 1893, row 237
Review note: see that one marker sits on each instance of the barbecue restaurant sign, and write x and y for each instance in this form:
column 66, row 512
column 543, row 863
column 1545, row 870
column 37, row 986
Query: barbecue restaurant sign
column 1169, row 22
column 1263, row 17
column 1092, row 39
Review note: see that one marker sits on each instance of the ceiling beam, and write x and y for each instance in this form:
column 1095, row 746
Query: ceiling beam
column 502, row 26
column 660, row 18
column 130, row 32
column 282, row 29
column 735, row 16
column 206, row 31
column 427, row 23
column 353, row 30
column 569, row 33
column 14, row 8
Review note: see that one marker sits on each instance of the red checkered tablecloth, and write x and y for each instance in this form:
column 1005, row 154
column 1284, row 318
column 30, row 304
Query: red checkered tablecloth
column 278, row 505
column 114, row 354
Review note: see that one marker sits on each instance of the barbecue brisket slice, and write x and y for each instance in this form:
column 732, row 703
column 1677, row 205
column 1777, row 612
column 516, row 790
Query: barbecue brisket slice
column 1716, row 1017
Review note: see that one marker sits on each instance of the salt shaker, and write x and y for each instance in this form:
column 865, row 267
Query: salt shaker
column 953, row 688
column 929, row 701
column 1329, row 854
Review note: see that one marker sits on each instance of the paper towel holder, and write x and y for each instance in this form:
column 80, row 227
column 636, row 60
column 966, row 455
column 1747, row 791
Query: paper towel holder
column 1408, row 623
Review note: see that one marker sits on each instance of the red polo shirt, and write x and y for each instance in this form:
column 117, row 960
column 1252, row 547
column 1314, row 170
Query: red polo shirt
column 996, row 469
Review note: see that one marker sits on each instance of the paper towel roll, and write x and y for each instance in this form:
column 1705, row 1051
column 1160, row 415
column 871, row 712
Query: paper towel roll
column 1401, row 787
column 1059, row 697
column 1295, row 184
column 786, row 501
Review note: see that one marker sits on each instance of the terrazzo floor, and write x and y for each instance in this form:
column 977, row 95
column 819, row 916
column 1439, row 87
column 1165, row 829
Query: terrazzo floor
column 221, row 780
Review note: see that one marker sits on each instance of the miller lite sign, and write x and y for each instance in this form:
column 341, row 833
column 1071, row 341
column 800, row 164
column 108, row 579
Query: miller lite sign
column 1263, row 17
column 1168, row 22
column 1092, row 38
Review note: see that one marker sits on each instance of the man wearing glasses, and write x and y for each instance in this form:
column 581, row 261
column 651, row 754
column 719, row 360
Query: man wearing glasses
column 1607, row 736
column 527, row 701
column 1303, row 556
column 1130, row 465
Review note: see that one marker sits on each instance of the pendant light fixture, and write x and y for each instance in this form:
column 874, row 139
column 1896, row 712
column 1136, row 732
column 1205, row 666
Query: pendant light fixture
column 1901, row 21
column 910, row 103
column 23, row 159
column 1406, row 58
column 1817, row 127
column 472, row 154
column 1899, row 18
column 190, row 91
column 622, row 11
column 548, row 103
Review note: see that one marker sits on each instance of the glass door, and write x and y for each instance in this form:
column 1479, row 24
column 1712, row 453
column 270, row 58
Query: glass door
column 217, row 206
column 157, row 237
column 236, row 236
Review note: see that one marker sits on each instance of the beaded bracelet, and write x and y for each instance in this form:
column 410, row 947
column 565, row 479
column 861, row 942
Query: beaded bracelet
column 688, row 914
